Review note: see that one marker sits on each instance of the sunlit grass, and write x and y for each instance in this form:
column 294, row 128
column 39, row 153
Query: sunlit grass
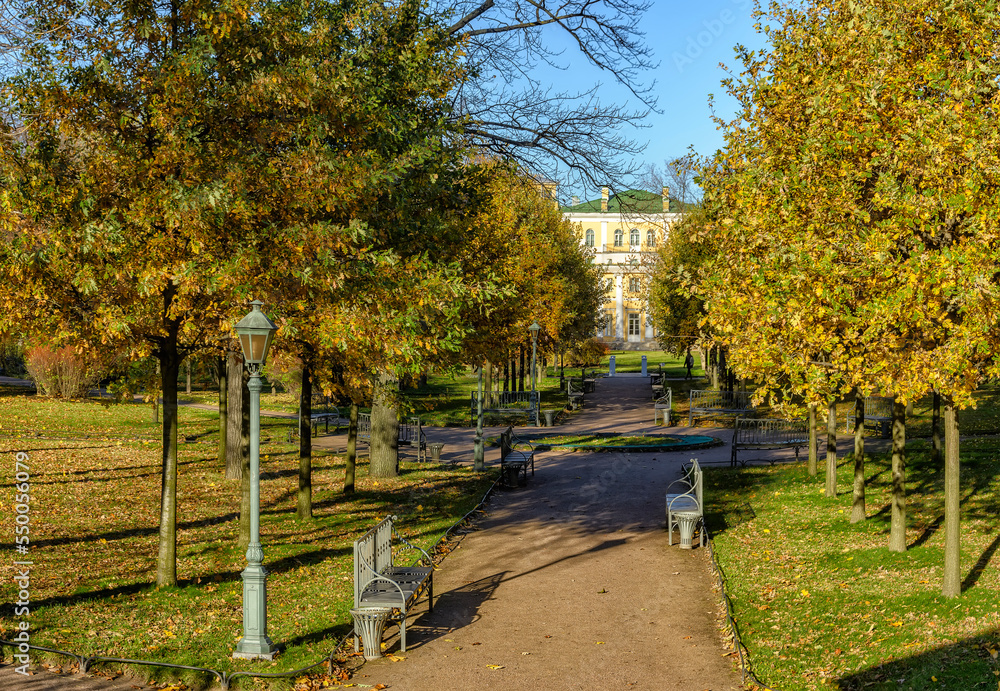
column 823, row 602
column 94, row 527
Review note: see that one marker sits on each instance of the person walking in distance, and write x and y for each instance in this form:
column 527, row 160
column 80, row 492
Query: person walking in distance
column 689, row 363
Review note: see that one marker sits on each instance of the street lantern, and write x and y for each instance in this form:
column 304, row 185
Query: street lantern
column 534, row 329
column 255, row 331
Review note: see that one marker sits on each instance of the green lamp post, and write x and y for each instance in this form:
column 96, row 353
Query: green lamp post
column 255, row 331
column 534, row 329
column 478, row 451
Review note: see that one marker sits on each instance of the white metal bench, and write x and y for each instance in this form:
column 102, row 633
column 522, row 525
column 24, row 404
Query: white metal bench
column 663, row 407
column 686, row 508
column 574, row 392
column 507, row 403
column 385, row 589
column 515, row 457
column 711, row 403
column 763, row 433
column 410, row 434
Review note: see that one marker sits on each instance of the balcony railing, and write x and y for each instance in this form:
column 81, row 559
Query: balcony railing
column 607, row 247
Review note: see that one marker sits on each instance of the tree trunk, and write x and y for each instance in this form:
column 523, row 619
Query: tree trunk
column 166, row 560
column 384, row 444
column 188, row 387
column 897, row 522
column 244, row 468
column 812, row 440
column 715, row 367
column 952, row 586
column 520, row 369
column 831, row 450
column 352, row 450
column 936, row 454
column 223, row 406
column 304, row 507
column 238, row 429
column 506, row 374
column 858, row 512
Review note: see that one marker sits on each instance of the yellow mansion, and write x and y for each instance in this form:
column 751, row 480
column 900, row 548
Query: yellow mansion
column 625, row 230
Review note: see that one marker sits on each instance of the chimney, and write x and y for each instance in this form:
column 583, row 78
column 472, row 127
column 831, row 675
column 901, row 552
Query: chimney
column 604, row 200
column 576, row 200
column 666, row 200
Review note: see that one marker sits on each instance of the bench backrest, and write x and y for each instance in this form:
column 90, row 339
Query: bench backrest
column 768, row 431
column 364, row 425
column 411, row 432
column 510, row 441
column 499, row 400
column 666, row 401
column 878, row 407
column 372, row 555
column 574, row 386
column 709, row 399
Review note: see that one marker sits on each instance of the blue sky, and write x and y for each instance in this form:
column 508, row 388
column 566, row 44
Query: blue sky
column 689, row 40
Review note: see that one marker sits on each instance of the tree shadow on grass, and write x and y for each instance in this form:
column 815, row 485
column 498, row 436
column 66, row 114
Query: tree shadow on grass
column 977, row 569
column 961, row 666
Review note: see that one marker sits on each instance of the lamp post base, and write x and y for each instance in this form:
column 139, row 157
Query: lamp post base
column 255, row 643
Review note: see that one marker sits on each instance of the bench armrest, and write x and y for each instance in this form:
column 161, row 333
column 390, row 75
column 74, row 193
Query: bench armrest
column 400, row 538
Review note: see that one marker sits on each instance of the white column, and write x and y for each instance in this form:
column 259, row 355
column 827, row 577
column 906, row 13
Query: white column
column 620, row 306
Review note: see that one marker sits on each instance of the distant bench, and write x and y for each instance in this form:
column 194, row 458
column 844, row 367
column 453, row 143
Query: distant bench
column 763, row 433
column 322, row 411
column 711, row 403
column 663, row 407
column 507, row 403
column 515, row 459
column 575, row 392
column 410, row 434
column 878, row 412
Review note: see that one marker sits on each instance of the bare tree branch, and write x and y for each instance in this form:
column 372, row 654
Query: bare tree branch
column 560, row 135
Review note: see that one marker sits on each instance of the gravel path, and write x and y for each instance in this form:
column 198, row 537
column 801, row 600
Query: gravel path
column 569, row 583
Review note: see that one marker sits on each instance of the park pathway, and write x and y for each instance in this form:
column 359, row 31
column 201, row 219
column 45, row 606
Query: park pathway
column 569, row 582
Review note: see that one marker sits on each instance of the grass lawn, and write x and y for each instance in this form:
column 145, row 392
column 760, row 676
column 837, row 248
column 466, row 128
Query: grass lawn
column 94, row 526
column 822, row 603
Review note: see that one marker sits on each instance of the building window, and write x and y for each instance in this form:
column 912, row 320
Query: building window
column 619, row 237
column 590, row 237
column 650, row 238
column 633, row 324
column 634, row 284
column 633, row 237
column 609, row 323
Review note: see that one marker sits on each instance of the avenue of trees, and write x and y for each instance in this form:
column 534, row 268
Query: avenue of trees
column 164, row 161
column 848, row 242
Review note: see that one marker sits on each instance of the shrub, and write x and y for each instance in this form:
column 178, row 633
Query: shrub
column 286, row 370
column 61, row 372
column 587, row 354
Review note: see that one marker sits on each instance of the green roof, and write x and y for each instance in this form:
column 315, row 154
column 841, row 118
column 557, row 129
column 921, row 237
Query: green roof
column 630, row 201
